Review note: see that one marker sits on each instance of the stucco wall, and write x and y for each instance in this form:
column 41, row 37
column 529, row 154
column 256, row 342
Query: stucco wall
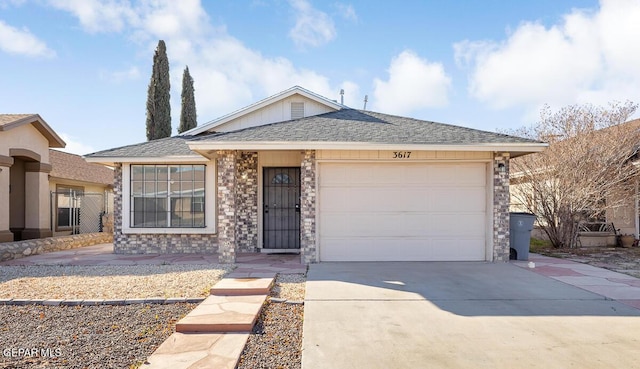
column 17, row 200
column 25, row 137
column 623, row 217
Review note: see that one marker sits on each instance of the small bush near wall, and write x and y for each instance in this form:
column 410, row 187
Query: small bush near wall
column 20, row 249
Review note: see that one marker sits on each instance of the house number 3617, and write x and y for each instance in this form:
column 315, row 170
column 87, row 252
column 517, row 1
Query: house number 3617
column 401, row 154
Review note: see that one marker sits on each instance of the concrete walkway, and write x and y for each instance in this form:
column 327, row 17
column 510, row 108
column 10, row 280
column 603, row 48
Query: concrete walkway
column 607, row 283
column 103, row 255
column 465, row 315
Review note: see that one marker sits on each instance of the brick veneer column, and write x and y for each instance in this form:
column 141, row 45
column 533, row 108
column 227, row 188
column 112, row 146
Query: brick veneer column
column 247, row 202
column 227, row 219
column 501, row 207
column 308, row 248
column 119, row 241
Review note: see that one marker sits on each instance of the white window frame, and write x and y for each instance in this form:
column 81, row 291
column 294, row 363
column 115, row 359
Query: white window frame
column 210, row 215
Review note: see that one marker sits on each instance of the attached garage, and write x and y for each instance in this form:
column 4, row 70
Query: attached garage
column 403, row 211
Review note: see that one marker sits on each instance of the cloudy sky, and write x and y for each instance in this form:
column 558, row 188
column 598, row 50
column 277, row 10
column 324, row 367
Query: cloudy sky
column 84, row 65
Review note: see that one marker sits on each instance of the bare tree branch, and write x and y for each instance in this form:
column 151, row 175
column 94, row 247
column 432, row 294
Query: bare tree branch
column 586, row 169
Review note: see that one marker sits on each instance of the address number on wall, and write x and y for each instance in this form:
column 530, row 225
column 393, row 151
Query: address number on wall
column 401, row 154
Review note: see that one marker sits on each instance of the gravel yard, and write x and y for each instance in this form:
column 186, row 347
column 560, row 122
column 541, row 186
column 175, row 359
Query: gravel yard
column 109, row 282
column 276, row 340
column 124, row 336
column 84, row 337
column 618, row 259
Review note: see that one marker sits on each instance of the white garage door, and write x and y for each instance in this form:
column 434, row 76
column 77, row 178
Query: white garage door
column 402, row 211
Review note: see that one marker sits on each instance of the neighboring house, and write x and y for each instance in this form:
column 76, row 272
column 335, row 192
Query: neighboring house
column 31, row 174
column 625, row 217
column 80, row 191
column 298, row 172
column 25, row 140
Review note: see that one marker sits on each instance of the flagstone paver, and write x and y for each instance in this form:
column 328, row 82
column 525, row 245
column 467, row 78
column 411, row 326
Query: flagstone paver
column 198, row 350
column 223, row 314
column 243, row 286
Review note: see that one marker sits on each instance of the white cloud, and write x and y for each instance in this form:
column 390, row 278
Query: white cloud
column 99, row 16
column 227, row 74
column 588, row 57
column 22, row 42
column 347, row 11
column 74, row 146
column 313, row 27
column 414, row 83
column 7, row 3
column 132, row 73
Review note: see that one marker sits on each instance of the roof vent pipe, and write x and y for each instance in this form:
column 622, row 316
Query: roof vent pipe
column 366, row 98
column 341, row 96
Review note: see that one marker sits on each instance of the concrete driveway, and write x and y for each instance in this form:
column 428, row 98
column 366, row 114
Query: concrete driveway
column 460, row 315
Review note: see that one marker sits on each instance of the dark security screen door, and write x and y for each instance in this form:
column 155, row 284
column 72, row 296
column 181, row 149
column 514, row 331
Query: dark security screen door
column 281, row 208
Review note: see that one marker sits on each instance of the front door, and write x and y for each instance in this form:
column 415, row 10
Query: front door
column 281, row 208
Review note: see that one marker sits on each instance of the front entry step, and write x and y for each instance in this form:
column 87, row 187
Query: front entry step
column 198, row 350
column 243, row 286
column 280, row 251
column 223, row 314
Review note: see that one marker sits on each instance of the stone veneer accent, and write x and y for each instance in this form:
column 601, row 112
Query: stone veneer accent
column 227, row 216
column 155, row 243
column 20, row 249
column 501, row 207
column 247, row 202
column 308, row 248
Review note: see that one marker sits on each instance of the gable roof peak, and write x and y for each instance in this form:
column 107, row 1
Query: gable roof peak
column 9, row 121
column 262, row 103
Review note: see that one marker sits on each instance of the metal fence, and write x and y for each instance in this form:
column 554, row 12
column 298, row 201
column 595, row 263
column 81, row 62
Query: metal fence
column 78, row 212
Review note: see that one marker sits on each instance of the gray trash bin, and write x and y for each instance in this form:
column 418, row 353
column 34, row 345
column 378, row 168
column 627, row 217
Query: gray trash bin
column 520, row 226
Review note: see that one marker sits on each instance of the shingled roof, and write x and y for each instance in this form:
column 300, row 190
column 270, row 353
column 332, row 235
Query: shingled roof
column 74, row 167
column 350, row 125
column 170, row 146
column 342, row 126
column 6, row 119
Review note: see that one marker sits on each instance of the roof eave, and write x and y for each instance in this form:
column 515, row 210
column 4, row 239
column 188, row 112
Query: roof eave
column 80, row 181
column 517, row 149
column 112, row 160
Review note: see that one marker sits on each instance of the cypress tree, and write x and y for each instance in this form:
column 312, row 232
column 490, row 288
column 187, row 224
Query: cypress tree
column 188, row 112
column 158, row 96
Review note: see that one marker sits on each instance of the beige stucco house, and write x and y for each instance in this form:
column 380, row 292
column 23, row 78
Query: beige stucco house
column 25, row 140
column 297, row 172
column 80, row 191
column 30, row 175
